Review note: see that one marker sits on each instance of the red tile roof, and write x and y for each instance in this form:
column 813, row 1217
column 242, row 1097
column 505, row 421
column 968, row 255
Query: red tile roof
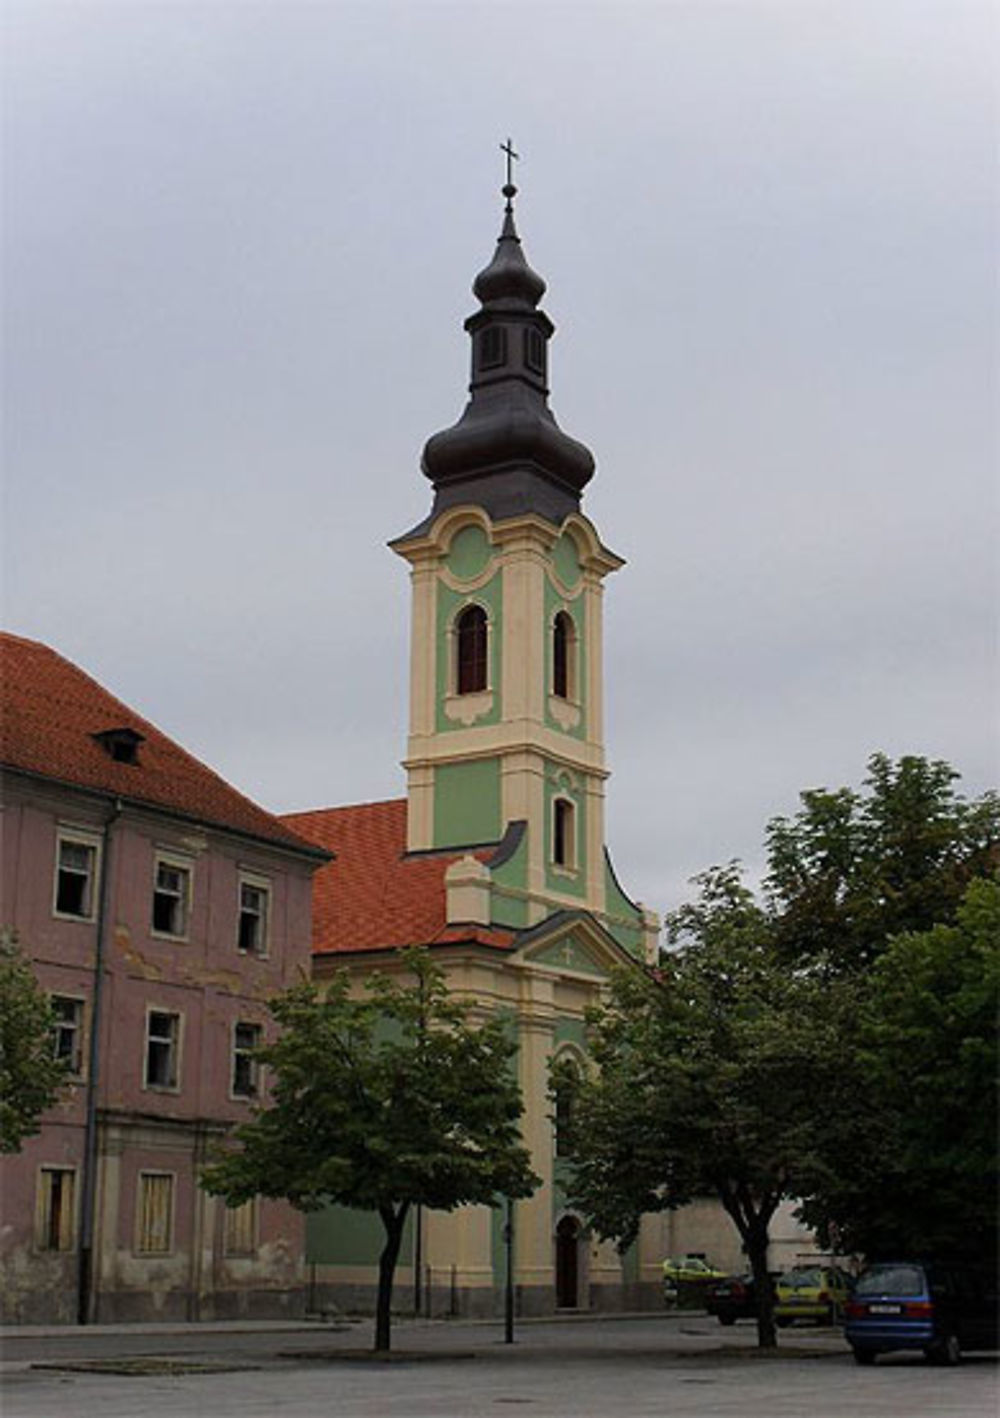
column 373, row 896
column 50, row 710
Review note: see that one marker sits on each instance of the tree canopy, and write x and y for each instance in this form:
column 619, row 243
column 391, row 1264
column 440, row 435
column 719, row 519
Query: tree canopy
column 381, row 1102
column 907, row 1150
column 707, row 1070
column 831, row 1042
column 30, row 1074
column 852, row 869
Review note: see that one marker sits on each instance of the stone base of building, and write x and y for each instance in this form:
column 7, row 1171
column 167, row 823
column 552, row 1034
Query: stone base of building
column 181, row 1306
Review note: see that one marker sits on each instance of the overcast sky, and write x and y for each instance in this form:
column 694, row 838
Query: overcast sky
column 238, row 246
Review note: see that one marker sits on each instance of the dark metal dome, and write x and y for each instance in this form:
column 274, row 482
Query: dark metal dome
column 507, row 453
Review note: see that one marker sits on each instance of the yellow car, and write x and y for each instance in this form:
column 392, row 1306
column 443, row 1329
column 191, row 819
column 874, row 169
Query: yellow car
column 690, row 1268
column 811, row 1292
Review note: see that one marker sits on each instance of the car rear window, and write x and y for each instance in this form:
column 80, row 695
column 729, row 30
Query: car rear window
column 891, row 1280
column 802, row 1279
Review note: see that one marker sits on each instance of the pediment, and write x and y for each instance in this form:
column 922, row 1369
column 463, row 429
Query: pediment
column 577, row 946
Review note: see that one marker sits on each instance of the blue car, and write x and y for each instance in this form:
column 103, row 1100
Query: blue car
column 940, row 1309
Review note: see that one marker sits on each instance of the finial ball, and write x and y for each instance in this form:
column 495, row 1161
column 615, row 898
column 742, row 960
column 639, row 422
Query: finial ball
column 509, row 190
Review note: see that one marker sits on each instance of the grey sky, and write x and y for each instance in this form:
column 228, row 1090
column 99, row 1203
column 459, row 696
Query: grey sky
column 238, row 245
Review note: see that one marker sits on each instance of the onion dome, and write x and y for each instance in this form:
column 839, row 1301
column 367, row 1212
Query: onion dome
column 506, row 453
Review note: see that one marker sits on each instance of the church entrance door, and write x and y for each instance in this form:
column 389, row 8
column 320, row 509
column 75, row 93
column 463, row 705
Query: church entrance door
column 568, row 1263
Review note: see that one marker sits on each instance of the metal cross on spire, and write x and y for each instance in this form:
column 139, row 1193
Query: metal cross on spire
column 508, row 188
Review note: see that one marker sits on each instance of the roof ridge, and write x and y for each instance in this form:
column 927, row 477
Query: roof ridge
column 344, row 807
column 133, row 718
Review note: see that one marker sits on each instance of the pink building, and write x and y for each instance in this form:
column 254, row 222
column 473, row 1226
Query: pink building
column 161, row 909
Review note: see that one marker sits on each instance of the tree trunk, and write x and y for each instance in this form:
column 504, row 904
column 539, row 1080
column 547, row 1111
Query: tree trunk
column 393, row 1221
column 752, row 1218
column 757, row 1244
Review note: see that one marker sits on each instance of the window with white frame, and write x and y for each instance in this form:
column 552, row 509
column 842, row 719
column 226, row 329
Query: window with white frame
column 67, row 1032
column 163, row 1037
column 246, row 1070
column 254, row 915
column 171, row 896
column 563, row 656
column 155, row 1213
column 472, row 638
column 76, row 876
column 55, row 1210
column 563, row 833
column 239, row 1236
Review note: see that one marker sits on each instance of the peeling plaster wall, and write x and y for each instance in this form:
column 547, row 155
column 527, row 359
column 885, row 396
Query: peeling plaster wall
column 211, row 985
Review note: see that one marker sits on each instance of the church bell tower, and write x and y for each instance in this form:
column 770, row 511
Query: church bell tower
column 506, row 741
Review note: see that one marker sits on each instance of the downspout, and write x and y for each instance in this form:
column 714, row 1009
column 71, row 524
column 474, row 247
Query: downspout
column 88, row 1199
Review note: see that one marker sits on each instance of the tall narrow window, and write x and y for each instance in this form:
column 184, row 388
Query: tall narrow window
column 67, row 1032
column 154, row 1220
column 55, row 1209
column 163, row 1032
column 565, row 1100
column 239, row 1236
column 76, row 869
column 563, row 843
column 246, row 1070
column 254, row 910
column 171, row 894
column 473, row 638
column 563, row 656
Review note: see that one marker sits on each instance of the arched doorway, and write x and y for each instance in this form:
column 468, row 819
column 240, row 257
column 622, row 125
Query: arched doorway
column 568, row 1263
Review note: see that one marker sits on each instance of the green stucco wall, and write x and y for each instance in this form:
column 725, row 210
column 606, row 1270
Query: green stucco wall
column 467, row 802
column 623, row 919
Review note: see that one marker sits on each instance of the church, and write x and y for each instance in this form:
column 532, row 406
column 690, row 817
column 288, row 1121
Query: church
column 495, row 860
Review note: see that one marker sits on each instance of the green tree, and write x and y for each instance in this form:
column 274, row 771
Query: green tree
column 907, row 1146
column 708, row 1070
column 852, row 869
column 380, row 1103
column 30, row 1074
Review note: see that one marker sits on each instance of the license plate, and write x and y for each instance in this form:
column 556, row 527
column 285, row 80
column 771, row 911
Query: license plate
column 885, row 1309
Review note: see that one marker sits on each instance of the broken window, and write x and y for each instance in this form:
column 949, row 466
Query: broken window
column 154, row 1224
column 67, row 1032
column 54, row 1217
column 163, row 1031
column 246, row 1070
column 253, row 918
column 76, row 869
column 171, row 894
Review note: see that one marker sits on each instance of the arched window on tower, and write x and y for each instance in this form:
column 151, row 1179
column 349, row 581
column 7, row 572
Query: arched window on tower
column 472, row 630
column 563, row 833
column 563, row 656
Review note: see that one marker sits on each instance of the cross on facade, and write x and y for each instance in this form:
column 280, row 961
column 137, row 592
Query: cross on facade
column 512, row 157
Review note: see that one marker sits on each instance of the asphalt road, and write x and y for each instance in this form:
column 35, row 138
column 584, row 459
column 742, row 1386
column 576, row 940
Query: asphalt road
column 669, row 1366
